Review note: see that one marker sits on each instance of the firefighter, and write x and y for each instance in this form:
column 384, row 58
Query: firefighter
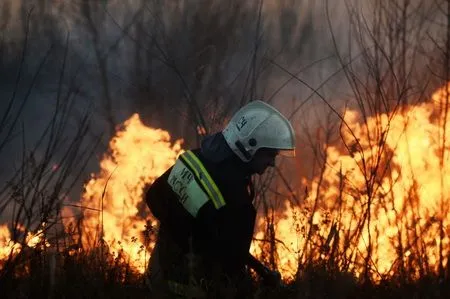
column 204, row 207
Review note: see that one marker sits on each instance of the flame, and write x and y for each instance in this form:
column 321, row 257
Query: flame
column 138, row 155
column 7, row 246
column 34, row 240
column 10, row 249
column 405, row 180
column 380, row 204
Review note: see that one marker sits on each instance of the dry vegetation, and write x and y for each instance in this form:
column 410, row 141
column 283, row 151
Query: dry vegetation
column 72, row 71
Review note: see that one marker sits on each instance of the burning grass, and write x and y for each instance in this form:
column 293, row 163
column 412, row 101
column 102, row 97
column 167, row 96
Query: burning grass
column 324, row 247
column 91, row 274
column 372, row 222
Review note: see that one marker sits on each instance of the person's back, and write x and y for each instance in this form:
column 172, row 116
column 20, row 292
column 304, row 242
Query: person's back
column 221, row 237
column 204, row 206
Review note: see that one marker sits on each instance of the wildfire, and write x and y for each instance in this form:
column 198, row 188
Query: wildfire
column 138, row 155
column 389, row 198
column 381, row 203
column 9, row 248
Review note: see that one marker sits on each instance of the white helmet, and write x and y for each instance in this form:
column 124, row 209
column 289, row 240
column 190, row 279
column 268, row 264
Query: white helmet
column 258, row 125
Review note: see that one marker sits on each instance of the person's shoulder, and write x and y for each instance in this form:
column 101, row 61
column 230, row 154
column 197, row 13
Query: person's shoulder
column 207, row 163
column 162, row 179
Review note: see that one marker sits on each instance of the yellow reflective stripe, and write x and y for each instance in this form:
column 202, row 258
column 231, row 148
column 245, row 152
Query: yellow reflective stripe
column 213, row 190
column 205, row 179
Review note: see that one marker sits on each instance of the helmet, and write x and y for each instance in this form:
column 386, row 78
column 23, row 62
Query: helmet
column 259, row 125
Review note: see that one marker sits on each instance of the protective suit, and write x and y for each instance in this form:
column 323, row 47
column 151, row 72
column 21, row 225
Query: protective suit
column 204, row 206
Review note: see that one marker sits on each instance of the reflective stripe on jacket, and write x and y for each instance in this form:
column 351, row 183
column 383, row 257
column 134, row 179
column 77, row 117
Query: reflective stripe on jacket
column 204, row 207
column 194, row 186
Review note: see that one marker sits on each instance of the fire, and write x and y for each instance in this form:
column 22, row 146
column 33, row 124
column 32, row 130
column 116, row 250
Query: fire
column 9, row 248
column 404, row 178
column 381, row 204
column 34, row 240
column 138, row 155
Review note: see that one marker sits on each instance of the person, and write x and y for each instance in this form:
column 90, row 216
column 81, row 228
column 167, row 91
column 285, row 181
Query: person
column 204, row 205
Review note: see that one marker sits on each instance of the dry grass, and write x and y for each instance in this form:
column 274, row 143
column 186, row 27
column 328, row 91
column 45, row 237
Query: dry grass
column 188, row 68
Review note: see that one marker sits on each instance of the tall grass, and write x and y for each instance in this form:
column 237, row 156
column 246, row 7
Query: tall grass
column 195, row 62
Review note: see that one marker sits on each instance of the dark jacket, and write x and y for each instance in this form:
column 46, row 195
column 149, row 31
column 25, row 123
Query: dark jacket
column 221, row 237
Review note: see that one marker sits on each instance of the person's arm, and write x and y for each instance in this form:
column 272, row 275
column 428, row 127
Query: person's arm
column 156, row 197
column 231, row 232
column 226, row 235
column 270, row 277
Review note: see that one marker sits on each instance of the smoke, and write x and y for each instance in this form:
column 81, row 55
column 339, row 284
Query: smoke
column 86, row 67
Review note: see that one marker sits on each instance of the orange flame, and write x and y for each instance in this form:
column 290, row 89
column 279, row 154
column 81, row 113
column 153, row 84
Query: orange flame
column 405, row 180
column 9, row 248
column 383, row 203
column 138, row 155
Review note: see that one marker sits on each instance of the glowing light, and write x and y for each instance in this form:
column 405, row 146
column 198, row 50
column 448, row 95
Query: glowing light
column 408, row 196
column 138, row 155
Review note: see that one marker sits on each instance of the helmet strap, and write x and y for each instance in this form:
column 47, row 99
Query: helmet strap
column 242, row 149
